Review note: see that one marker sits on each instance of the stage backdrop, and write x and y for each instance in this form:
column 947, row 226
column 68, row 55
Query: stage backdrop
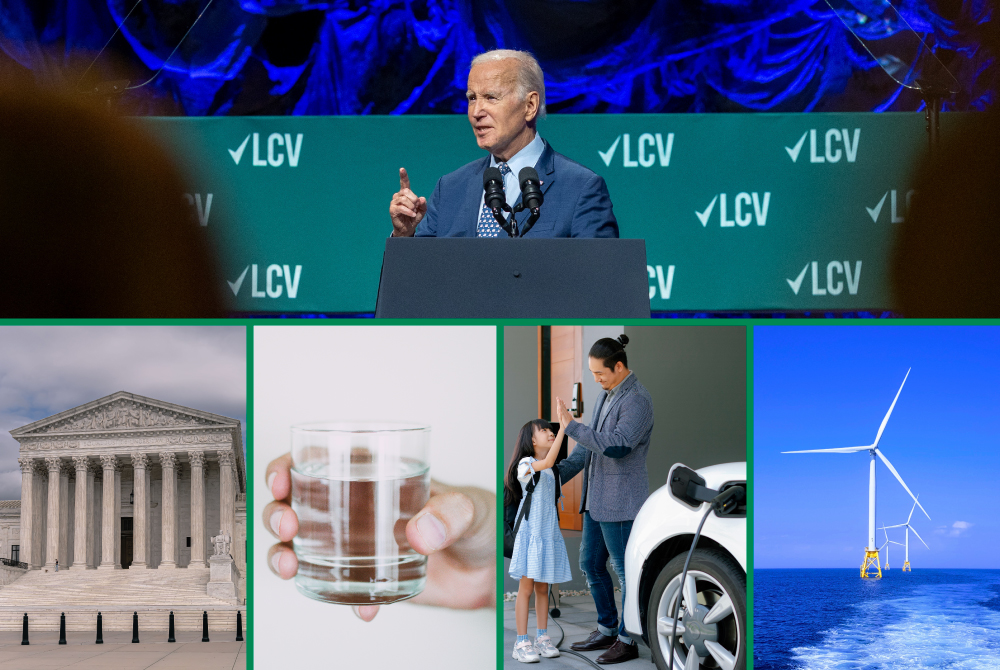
column 782, row 212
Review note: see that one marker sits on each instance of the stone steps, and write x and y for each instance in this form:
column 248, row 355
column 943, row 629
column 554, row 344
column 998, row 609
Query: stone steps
column 116, row 593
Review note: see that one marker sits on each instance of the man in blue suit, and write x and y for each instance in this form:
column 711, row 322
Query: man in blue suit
column 506, row 94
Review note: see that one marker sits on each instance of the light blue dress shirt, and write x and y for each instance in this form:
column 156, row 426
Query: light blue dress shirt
column 526, row 157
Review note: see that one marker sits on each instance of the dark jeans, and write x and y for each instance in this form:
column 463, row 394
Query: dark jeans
column 601, row 541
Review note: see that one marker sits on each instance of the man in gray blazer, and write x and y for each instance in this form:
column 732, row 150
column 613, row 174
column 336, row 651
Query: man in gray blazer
column 611, row 452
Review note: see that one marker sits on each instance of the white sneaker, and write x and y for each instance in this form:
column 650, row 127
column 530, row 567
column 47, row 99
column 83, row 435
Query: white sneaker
column 525, row 652
column 544, row 646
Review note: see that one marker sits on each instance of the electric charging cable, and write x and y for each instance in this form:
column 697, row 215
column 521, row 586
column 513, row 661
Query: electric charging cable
column 562, row 636
column 723, row 503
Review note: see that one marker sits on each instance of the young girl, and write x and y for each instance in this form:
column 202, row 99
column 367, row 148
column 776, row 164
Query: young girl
column 539, row 557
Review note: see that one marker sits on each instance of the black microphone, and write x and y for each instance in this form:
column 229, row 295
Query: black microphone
column 493, row 183
column 495, row 198
column 531, row 191
column 531, row 196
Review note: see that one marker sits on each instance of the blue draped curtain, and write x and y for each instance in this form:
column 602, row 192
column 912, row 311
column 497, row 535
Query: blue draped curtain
column 397, row 57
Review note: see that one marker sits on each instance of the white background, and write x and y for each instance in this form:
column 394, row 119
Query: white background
column 441, row 376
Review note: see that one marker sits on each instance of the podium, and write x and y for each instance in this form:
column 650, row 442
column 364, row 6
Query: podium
column 504, row 278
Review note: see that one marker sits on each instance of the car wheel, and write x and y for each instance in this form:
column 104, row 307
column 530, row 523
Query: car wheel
column 712, row 619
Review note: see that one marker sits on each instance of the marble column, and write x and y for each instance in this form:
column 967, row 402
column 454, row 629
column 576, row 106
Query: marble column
column 52, row 522
column 40, row 511
column 65, row 551
column 149, row 519
column 168, row 461
column 140, row 513
column 118, row 516
column 197, row 510
column 109, row 463
column 227, row 494
column 91, row 539
column 82, row 464
column 27, row 509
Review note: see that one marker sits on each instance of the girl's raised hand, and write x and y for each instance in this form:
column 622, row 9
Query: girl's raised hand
column 564, row 416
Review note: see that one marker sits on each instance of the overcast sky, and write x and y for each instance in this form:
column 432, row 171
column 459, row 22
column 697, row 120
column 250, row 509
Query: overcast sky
column 48, row 369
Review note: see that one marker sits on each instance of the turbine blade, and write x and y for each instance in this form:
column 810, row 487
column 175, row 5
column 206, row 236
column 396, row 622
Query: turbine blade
column 918, row 536
column 900, row 543
column 893, row 471
column 911, row 509
column 886, row 419
column 898, row 525
column 842, row 450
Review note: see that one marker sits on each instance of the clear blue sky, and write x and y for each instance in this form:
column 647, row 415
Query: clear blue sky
column 822, row 387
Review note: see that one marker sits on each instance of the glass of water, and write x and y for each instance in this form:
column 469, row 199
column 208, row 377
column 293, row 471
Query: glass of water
column 355, row 485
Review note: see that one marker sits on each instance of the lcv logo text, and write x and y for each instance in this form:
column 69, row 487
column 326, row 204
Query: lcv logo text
column 278, row 279
column 832, row 141
column 743, row 213
column 202, row 207
column 648, row 149
column 665, row 281
column 836, row 272
column 278, row 148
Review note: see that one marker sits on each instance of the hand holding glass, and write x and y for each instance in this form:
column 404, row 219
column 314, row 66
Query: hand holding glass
column 354, row 488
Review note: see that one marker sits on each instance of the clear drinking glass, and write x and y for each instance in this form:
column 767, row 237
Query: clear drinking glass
column 354, row 488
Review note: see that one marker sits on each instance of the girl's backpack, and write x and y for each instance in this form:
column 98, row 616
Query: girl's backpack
column 510, row 525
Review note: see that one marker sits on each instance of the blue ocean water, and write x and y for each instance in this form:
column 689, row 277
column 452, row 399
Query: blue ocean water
column 832, row 619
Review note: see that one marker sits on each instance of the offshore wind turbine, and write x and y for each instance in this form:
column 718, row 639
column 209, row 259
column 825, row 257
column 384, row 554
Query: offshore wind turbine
column 870, row 566
column 906, row 565
column 886, row 544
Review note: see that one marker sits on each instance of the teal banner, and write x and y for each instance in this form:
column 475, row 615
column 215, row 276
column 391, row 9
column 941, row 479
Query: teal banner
column 740, row 212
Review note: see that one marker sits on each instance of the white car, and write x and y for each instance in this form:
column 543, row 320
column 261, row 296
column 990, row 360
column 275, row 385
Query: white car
column 712, row 623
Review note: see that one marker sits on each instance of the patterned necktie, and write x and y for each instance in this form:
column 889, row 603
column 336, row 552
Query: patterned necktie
column 488, row 226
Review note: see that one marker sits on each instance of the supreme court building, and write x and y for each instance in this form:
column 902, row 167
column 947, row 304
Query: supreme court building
column 130, row 483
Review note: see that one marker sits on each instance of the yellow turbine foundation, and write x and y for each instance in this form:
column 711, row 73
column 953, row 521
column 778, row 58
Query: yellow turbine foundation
column 870, row 568
column 906, row 567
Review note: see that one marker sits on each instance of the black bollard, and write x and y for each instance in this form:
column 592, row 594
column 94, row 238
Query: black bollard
column 135, row 627
column 204, row 626
column 62, row 628
column 100, row 634
column 24, row 630
column 170, row 635
column 239, row 626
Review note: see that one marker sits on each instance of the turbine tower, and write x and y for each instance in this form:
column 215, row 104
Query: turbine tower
column 885, row 545
column 906, row 565
column 870, row 567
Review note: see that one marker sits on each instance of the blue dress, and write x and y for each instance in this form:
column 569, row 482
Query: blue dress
column 539, row 550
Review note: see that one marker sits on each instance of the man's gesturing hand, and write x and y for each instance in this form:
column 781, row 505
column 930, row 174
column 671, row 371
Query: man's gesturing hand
column 405, row 209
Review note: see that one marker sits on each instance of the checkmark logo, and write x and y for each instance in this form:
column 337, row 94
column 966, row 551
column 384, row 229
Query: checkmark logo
column 235, row 285
column 798, row 280
column 703, row 216
column 875, row 211
column 606, row 156
column 794, row 153
column 238, row 154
